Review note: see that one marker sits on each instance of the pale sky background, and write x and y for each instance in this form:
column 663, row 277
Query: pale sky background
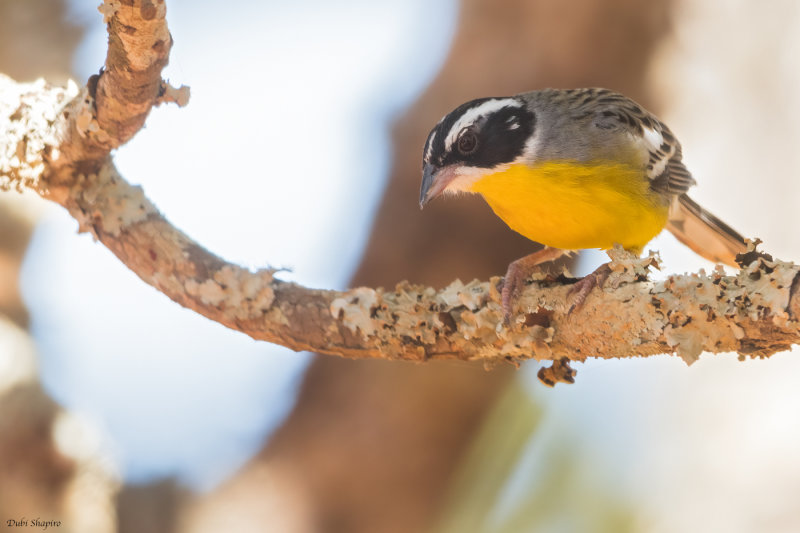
column 279, row 159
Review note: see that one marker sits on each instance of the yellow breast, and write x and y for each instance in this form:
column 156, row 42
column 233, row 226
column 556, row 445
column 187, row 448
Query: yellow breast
column 571, row 205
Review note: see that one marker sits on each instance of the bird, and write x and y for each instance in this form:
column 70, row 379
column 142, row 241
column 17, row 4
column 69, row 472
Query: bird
column 572, row 169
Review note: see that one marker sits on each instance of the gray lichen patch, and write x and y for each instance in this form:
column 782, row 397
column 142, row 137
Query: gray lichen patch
column 355, row 310
column 627, row 267
column 107, row 200
column 714, row 313
column 465, row 318
column 236, row 291
column 472, row 295
column 108, row 9
column 628, row 316
column 86, row 123
column 169, row 94
column 28, row 112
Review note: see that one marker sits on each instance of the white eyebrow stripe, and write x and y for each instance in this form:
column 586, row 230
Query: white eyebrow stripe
column 471, row 115
column 429, row 150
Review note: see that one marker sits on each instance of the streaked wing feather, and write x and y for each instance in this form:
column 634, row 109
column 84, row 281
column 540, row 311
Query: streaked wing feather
column 614, row 111
column 675, row 178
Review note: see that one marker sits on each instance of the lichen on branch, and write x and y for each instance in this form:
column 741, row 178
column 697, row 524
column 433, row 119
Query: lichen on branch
column 57, row 142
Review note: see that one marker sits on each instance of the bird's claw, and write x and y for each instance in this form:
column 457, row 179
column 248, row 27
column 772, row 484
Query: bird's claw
column 518, row 271
column 580, row 291
column 512, row 283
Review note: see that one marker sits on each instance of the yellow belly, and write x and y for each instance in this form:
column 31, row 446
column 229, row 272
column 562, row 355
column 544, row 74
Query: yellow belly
column 570, row 205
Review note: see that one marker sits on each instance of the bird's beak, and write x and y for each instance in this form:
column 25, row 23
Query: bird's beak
column 434, row 181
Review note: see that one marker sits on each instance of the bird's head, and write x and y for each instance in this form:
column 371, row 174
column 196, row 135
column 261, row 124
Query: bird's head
column 475, row 139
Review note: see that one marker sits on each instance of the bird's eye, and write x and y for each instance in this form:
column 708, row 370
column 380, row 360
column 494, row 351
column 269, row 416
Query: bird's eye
column 467, row 141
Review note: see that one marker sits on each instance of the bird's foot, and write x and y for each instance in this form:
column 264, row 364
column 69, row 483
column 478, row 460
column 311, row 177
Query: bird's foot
column 519, row 271
column 513, row 282
column 580, row 291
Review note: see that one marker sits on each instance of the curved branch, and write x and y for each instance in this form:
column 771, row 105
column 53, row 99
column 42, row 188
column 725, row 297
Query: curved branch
column 64, row 157
column 139, row 43
column 115, row 103
column 753, row 313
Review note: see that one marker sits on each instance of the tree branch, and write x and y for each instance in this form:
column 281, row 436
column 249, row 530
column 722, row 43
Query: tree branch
column 56, row 142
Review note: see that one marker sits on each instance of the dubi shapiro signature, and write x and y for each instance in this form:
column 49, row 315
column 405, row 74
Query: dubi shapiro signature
column 34, row 522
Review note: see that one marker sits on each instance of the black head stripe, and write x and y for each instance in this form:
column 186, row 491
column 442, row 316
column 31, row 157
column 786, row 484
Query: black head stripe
column 435, row 145
column 502, row 132
column 502, row 137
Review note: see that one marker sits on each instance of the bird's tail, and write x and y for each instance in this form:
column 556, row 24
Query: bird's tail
column 703, row 232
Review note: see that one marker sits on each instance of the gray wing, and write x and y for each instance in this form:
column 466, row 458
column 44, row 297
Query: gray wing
column 612, row 111
column 676, row 178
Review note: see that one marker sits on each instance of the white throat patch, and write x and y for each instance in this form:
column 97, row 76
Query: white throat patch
column 465, row 177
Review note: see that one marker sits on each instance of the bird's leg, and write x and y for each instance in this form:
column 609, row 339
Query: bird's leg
column 518, row 271
column 584, row 286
